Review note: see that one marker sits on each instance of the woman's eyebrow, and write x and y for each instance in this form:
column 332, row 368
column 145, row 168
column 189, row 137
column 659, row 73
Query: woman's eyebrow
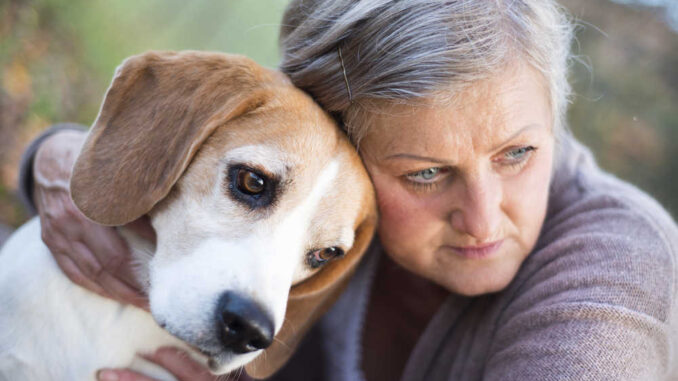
column 449, row 163
column 515, row 135
column 417, row 157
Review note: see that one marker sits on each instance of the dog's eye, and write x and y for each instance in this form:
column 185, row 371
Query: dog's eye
column 249, row 182
column 319, row 257
column 251, row 187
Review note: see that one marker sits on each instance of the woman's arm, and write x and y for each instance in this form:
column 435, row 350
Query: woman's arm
column 93, row 256
column 597, row 304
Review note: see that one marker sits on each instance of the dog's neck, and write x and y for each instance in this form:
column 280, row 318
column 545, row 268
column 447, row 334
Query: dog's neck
column 142, row 251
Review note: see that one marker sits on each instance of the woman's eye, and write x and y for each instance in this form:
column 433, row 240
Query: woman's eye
column 425, row 176
column 517, row 156
column 519, row 153
column 319, row 257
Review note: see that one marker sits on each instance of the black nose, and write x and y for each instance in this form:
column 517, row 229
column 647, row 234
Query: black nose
column 243, row 325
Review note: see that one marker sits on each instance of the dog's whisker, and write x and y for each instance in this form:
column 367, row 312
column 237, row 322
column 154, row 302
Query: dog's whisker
column 235, row 373
column 281, row 343
column 292, row 327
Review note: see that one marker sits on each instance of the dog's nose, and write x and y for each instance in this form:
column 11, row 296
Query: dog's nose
column 244, row 326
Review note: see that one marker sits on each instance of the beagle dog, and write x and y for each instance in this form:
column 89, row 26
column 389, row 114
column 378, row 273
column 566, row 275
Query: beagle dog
column 261, row 207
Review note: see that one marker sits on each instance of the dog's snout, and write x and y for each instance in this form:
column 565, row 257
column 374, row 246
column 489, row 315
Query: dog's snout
column 243, row 325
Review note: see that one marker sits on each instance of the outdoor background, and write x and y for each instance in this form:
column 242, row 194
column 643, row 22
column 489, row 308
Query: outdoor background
column 58, row 56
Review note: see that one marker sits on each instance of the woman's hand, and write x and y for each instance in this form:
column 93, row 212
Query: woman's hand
column 177, row 362
column 92, row 256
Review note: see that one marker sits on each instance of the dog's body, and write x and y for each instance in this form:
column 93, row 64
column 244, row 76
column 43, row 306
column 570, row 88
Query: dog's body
column 251, row 190
column 46, row 319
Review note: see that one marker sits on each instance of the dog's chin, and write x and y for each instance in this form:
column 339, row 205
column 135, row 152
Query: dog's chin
column 226, row 362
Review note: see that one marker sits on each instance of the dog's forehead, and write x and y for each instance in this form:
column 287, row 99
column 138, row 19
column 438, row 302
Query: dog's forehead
column 287, row 127
column 288, row 135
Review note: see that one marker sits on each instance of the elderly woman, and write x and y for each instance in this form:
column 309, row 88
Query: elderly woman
column 504, row 252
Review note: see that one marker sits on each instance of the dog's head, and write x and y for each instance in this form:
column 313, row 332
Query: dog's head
column 260, row 204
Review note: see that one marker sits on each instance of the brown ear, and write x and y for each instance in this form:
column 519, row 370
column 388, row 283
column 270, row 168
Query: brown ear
column 159, row 109
column 309, row 300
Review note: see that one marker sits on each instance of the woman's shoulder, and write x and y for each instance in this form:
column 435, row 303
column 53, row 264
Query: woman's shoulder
column 597, row 296
column 605, row 241
column 581, row 192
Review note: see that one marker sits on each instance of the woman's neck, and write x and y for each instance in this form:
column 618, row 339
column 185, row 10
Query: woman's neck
column 401, row 305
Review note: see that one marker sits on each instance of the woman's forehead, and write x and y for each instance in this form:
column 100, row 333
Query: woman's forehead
column 482, row 115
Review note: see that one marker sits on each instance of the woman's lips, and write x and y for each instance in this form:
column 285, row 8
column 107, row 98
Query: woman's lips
column 479, row 251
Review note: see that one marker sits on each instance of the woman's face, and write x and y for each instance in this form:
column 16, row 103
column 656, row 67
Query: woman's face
column 463, row 187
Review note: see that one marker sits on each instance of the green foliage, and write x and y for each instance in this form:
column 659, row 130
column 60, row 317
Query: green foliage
column 626, row 103
column 57, row 57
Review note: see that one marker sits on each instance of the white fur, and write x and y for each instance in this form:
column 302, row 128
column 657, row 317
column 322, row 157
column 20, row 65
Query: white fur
column 51, row 329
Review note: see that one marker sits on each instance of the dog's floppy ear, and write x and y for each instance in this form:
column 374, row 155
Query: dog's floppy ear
column 157, row 112
column 309, row 300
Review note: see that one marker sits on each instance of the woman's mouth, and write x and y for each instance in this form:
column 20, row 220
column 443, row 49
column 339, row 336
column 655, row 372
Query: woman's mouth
column 477, row 251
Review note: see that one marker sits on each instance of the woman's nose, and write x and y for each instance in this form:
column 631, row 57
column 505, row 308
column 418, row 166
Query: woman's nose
column 478, row 211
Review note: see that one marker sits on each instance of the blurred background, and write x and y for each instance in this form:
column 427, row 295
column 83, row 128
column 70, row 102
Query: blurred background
column 57, row 58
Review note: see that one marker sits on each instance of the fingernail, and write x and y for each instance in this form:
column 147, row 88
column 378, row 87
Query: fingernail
column 107, row 375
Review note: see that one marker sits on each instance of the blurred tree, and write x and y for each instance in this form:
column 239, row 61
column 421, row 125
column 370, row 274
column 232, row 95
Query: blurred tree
column 625, row 107
column 57, row 58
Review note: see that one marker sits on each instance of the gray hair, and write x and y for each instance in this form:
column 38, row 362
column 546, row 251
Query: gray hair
column 408, row 50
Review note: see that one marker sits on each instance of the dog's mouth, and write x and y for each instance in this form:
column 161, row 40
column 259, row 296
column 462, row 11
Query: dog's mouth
column 216, row 362
column 226, row 362
column 220, row 361
column 209, row 353
column 205, row 352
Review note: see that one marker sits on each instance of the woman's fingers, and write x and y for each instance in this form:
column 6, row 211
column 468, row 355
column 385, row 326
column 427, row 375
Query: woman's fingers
column 180, row 364
column 122, row 292
column 110, row 250
column 76, row 276
column 116, row 275
column 105, row 261
column 142, row 226
column 76, row 268
column 99, row 254
column 121, row 375
column 174, row 360
column 91, row 255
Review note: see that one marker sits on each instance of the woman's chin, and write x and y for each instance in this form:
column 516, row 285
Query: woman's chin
column 475, row 288
column 473, row 277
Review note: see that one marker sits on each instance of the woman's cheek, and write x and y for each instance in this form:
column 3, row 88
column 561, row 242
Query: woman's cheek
column 403, row 217
column 394, row 209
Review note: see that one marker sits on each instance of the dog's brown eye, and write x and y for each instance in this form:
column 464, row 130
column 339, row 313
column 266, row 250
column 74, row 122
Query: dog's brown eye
column 251, row 187
column 249, row 182
column 330, row 253
column 319, row 257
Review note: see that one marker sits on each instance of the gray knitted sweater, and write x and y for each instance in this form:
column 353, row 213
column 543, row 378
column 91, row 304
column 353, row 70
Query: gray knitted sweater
column 595, row 300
